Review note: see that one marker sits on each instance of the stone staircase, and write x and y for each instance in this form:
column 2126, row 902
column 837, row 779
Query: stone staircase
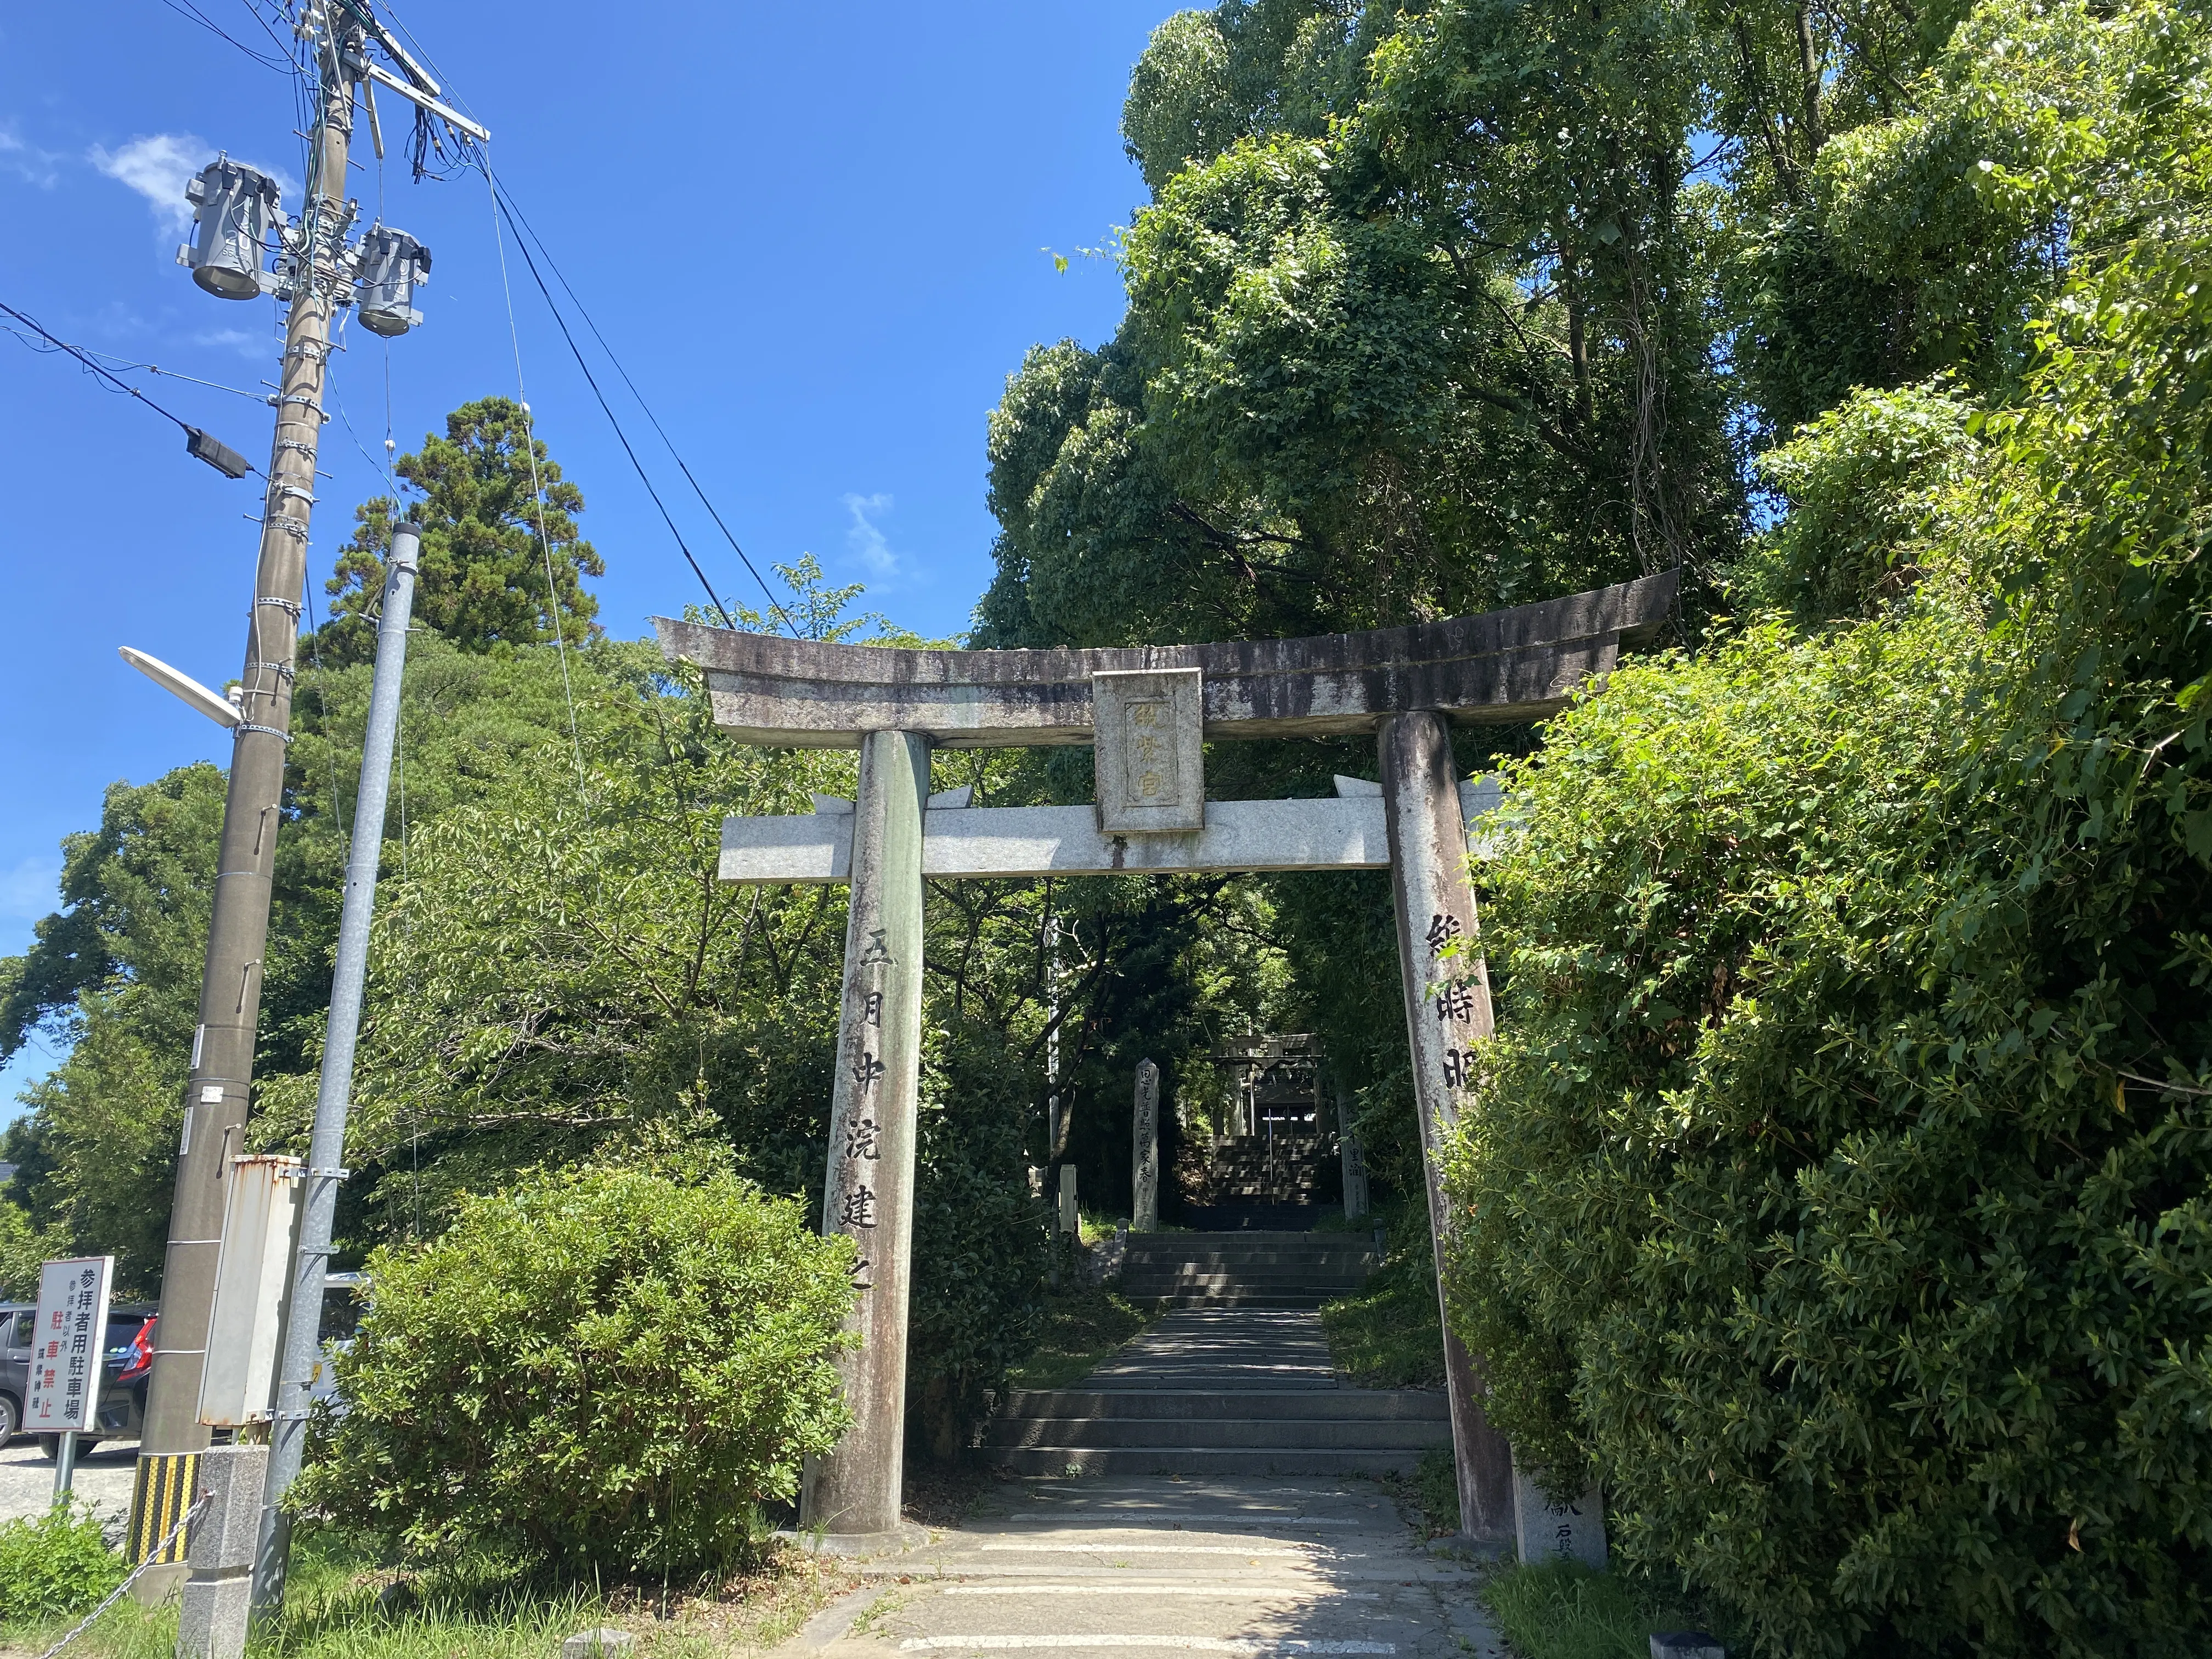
column 1219, row 1392
column 1246, row 1269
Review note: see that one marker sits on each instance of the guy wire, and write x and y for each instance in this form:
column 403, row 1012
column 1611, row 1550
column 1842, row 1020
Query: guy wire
column 537, row 490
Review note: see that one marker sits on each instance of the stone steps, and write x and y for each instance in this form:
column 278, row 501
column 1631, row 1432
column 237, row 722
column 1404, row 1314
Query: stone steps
column 1246, row 1269
column 1196, row 1460
column 1241, row 1392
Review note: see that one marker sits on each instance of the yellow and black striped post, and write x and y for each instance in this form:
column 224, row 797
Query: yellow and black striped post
column 164, row 1493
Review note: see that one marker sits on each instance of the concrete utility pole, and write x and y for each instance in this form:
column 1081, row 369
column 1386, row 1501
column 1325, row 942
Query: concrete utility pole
column 311, row 1261
column 868, row 1195
column 1446, row 1011
column 230, row 984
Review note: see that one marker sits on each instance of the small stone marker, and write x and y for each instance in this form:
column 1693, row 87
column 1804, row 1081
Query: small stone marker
column 1355, row 1165
column 1545, row 1532
column 217, row 1596
column 1151, row 768
column 1144, row 1151
column 606, row 1643
column 1686, row 1644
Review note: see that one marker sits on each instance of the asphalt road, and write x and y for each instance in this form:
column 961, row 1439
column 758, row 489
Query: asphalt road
column 103, row 1479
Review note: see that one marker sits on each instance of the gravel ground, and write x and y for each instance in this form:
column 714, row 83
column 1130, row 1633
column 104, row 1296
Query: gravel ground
column 103, row 1479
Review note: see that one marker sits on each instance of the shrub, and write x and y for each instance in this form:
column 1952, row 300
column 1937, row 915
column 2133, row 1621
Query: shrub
column 56, row 1564
column 1840, row 1185
column 602, row 1366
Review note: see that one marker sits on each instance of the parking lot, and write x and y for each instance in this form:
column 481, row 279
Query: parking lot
column 103, row 1479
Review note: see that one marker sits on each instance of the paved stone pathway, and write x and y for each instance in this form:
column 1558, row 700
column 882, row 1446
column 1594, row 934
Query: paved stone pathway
column 1246, row 1563
column 1251, row 1567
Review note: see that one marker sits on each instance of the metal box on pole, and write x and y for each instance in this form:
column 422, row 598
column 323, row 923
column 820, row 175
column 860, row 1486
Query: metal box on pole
column 260, row 1219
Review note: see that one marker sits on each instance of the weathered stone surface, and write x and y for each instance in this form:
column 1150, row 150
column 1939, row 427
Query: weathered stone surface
column 1516, row 664
column 1338, row 833
column 1687, row 1644
column 1543, row 1531
column 217, row 1599
column 1144, row 1151
column 604, row 1642
column 868, row 1191
column 1151, row 754
column 1447, row 1012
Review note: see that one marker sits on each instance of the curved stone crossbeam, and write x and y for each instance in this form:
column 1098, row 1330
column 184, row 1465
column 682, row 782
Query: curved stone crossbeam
column 1504, row 665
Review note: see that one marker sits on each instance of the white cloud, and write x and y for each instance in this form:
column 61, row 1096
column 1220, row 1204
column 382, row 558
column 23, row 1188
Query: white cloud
column 26, row 161
column 31, row 889
column 158, row 168
column 865, row 539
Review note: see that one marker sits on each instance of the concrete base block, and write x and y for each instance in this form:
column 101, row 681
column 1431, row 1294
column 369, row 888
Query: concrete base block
column 604, row 1642
column 212, row 1616
column 1687, row 1644
column 907, row 1535
column 1545, row 1532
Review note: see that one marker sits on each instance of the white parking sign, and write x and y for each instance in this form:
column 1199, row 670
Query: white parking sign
column 68, row 1345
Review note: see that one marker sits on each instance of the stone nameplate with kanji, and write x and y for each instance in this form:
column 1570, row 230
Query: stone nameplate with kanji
column 1150, row 749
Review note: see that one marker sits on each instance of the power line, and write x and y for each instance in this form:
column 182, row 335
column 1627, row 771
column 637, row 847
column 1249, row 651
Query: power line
column 116, row 381
column 187, row 9
column 621, row 437
column 515, row 216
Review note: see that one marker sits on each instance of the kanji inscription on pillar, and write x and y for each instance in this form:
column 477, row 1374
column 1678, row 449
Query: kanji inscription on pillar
column 1149, row 747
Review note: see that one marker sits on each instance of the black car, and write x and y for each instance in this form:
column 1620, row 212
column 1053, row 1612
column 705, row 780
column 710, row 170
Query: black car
column 130, row 1356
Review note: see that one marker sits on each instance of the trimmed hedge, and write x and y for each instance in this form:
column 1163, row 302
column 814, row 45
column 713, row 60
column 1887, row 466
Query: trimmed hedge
column 606, row 1367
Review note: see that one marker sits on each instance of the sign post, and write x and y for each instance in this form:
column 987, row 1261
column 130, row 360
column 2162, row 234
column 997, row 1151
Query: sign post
column 68, row 1351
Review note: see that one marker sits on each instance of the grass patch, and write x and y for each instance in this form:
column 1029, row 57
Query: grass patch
column 342, row 1605
column 1390, row 1334
column 1564, row 1610
column 1078, row 1330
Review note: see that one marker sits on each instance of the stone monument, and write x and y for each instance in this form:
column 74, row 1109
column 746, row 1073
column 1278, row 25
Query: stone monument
column 1144, row 1151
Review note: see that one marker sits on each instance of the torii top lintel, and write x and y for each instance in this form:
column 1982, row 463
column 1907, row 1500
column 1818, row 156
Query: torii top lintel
column 1503, row 665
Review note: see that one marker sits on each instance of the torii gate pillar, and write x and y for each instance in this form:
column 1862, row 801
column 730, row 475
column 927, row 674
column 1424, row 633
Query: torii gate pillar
column 1406, row 684
column 868, row 1194
column 1447, row 1011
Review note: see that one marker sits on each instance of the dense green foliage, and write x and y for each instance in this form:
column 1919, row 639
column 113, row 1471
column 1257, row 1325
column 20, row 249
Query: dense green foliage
column 1841, row 1186
column 610, row 1366
column 55, row 1563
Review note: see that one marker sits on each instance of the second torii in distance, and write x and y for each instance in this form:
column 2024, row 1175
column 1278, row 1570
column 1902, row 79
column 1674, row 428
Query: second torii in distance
column 1147, row 711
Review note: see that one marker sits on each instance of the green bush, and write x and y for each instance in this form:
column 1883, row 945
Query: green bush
column 1840, row 1182
column 56, row 1564
column 606, row 1366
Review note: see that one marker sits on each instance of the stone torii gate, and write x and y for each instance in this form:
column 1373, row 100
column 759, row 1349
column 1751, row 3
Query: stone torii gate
column 1146, row 711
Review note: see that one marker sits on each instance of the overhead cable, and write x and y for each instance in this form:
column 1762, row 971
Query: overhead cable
column 116, row 381
column 515, row 217
column 622, row 437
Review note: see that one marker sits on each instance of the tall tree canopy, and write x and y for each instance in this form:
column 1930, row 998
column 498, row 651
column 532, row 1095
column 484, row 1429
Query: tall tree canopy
column 502, row 560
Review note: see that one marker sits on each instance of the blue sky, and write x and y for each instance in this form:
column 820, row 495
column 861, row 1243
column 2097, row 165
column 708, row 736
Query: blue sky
column 815, row 235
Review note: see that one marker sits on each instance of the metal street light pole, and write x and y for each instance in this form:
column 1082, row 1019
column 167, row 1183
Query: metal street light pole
column 303, row 1317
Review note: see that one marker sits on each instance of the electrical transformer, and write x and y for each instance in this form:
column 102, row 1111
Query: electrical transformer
column 392, row 263
column 234, row 205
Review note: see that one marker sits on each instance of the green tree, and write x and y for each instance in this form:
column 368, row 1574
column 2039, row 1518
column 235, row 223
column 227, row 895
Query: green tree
column 498, row 517
column 1839, row 1186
